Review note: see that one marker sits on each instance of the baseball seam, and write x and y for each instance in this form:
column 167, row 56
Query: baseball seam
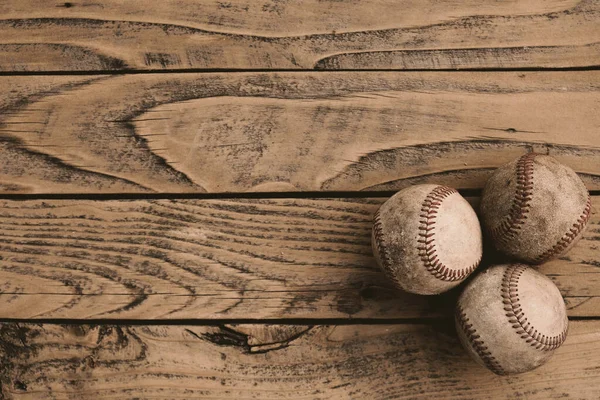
column 383, row 255
column 568, row 237
column 477, row 343
column 511, row 225
column 516, row 316
column 426, row 242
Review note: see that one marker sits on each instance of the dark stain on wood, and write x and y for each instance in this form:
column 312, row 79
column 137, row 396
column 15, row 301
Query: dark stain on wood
column 165, row 60
column 228, row 337
column 459, row 59
column 62, row 57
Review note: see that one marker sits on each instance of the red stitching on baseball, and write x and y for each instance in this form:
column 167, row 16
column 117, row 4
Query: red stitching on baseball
column 508, row 229
column 426, row 247
column 516, row 316
column 478, row 345
column 384, row 256
column 568, row 237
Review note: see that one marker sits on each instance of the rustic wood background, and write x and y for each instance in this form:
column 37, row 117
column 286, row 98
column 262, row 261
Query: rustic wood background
column 187, row 187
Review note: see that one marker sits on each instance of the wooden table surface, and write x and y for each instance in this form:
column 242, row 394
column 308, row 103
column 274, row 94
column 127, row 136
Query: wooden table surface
column 187, row 187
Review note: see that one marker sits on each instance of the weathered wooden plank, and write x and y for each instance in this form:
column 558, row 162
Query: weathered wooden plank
column 277, row 362
column 289, row 131
column 97, row 35
column 215, row 259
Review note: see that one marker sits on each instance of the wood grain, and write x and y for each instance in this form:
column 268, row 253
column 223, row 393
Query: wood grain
column 238, row 132
column 223, row 259
column 103, row 35
column 277, row 362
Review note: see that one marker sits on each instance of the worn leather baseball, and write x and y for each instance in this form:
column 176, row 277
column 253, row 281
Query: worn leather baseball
column 427, row 239
column 534, row 208
column 511, row 318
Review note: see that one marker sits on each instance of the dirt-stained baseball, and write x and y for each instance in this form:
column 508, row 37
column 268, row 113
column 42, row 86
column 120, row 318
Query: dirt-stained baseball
column 427, row 238
column 511, row 318
column 534, row 208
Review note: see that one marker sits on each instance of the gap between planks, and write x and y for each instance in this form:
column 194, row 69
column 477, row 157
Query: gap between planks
column 223, row 196
column 280, row 70
column 212, row 196
column 434, row 320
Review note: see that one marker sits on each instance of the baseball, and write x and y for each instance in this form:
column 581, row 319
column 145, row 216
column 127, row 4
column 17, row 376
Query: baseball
column 511, row 318
column 534, row 208
column 427, row 239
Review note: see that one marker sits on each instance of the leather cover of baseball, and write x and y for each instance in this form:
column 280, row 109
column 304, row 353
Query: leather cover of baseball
column 427, row 239
column 511, row 318
column 534, row 208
